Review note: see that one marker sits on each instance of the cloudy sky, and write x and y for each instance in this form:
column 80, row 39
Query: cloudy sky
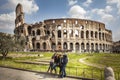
column 106, row 11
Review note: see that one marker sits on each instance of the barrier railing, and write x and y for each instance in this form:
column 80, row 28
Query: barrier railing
column 83, row 72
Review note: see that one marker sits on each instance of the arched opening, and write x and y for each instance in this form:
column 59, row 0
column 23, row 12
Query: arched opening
column 96, row 34
column 96, row 46
column 29, row 30
column 82, row 34
column 92, row 34
column 33, row 33
column 59, row 33
column 33, row 43
column 59, row 46
column 65, row 33
column 87, row 47
column 71, row 46
column 92, row 47
column 38, row 32
column 38, row 45
column 87, row 34
column 48, row 32
column 82, row 46
column 100, row 46
column 53, row 46
column 76, row 33
column 103, row 36
column 44, row 46
column 65, row 45
column 71, row 33
column 103, row 47
column 99, row 36
column 81, row 27
column 77, row 46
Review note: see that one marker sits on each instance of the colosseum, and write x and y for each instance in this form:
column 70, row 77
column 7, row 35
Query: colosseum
column 71, row 34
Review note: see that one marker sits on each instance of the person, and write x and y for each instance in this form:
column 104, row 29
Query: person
column 51, row 65
column 50, row 68
column 56, row 62
column 64, row 62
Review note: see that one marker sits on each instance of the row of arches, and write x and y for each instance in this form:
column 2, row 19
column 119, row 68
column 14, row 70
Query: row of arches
column 84, row 34
column 84, row 47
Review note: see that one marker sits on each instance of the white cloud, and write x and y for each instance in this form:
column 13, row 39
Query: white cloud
column 87, row 3
column 108, row 9
column 116, row 2
column 29, row 6
column 7, row 21
column 72, row 2
column 77, row 11
column 104, row 14
column 112, row 1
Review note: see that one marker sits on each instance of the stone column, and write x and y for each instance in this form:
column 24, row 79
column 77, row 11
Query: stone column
column 74, row 46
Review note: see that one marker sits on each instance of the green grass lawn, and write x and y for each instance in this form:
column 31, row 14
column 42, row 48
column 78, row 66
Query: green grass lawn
column 74, row 67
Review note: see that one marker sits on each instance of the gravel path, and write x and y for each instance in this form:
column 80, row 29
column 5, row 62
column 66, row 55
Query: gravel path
column 13, row 74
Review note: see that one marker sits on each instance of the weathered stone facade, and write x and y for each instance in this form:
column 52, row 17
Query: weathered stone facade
column 116, row 47
column 72, row 34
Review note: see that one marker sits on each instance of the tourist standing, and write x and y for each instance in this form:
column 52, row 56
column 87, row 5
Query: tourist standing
column 64, row 62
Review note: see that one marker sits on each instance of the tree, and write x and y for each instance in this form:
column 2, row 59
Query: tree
column 19, row 43
column 6, row 44
column 9, row 42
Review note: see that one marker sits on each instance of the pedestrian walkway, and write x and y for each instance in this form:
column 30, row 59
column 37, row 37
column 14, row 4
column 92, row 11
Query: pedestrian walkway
column 14, row 74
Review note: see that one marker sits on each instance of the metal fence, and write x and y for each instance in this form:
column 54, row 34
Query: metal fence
column 97, row 74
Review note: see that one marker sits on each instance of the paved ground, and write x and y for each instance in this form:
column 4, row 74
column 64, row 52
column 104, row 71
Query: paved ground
column 13, row 74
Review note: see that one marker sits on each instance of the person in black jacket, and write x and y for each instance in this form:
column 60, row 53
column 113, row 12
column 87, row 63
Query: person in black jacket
column 64, row 62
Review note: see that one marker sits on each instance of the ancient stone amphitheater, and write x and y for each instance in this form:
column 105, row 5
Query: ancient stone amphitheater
column 64, row 34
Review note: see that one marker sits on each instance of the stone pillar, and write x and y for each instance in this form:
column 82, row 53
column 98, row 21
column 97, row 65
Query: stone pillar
column 74, row 46
column 80, row 47
column 109, row 74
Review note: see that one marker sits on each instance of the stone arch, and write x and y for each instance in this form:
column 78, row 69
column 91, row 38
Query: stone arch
column 81, row 27
column 87, row 34
column 71, row 33
column 103, row 36
column 96, row 35
column 71, row 46
column 44, row 46
column 65, row 33
column 96, row 47
column 33, row 43
column 65, row 45
column 82, row 46
column 38, row 32
column 92, row 47
column 33, row 33
column 38, row 45
column 59, row 33
column 100, row 46
column 53, row 46
column 82, row 34
column 29, row 30
column 99, row 35
column 103, row 47
column 76, row 33
column 77, row 46
column 92, row 34
column 59, row 46
column 87, row 47
column 48, row 32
